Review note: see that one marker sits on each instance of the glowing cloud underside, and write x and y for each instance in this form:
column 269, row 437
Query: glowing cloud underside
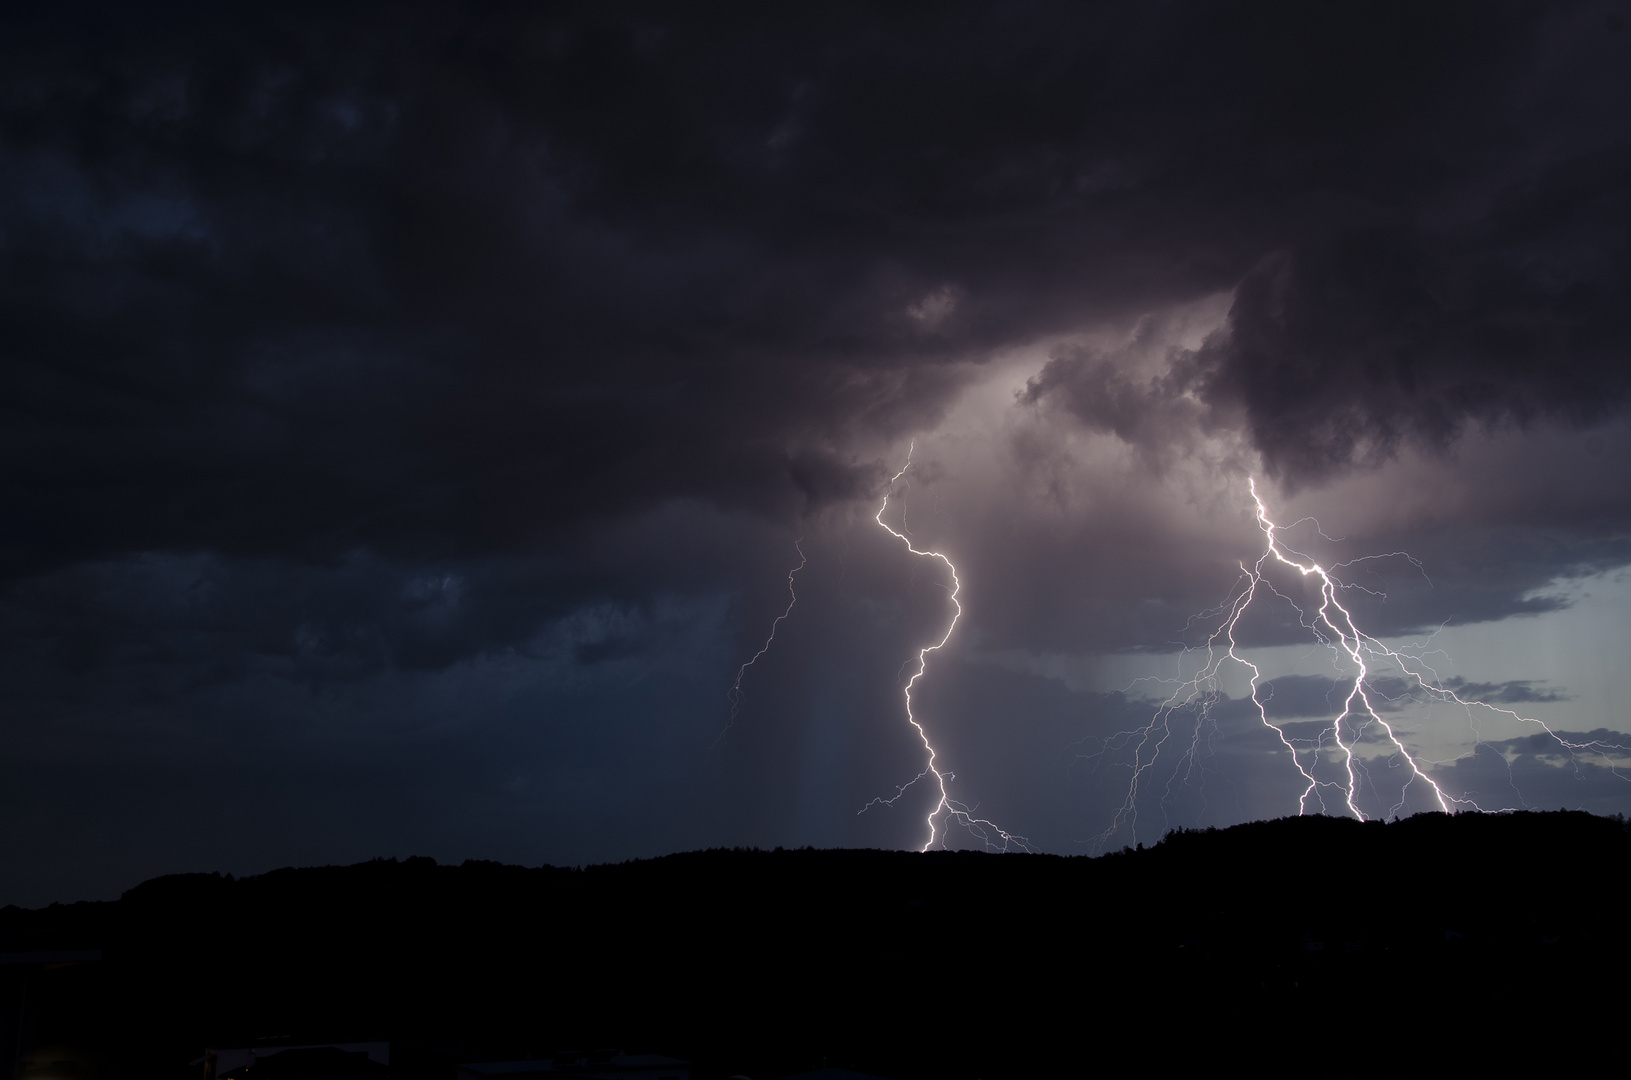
column 946, row 810
column 1332, row 625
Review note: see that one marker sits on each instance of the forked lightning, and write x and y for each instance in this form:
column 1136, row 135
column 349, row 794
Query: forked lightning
column 946, row 810
column 1332, row 625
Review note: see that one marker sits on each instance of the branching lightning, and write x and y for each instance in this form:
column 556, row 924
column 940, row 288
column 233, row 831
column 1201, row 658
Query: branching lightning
column 1332, row 625
column 734, row 694
column 946, row 809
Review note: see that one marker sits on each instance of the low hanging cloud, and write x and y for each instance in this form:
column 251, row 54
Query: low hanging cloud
column 1340, row 352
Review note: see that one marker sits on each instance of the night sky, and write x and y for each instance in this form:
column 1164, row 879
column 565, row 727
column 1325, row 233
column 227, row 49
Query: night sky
column 408, row 414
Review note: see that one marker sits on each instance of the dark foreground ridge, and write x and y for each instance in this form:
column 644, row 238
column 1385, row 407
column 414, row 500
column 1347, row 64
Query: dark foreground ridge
column 1314, row 946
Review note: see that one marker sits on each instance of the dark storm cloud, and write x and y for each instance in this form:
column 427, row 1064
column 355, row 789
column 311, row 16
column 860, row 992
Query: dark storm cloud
column 1454, row 277
column 1341, row 350
column 300, row 278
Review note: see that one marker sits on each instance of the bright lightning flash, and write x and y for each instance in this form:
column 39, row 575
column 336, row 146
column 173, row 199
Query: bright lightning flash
column 946, row 809
column 1332, row 625
column 734, row 694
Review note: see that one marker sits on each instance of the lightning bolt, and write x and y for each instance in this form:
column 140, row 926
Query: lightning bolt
column 1333, row 625
column 734, row 694
column 946, row 809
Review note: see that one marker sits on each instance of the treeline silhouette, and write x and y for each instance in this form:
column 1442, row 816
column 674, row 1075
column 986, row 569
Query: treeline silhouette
column 1314, row 946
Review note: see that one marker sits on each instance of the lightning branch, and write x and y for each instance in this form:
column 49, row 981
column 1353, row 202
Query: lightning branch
column 1331, row 624
column 946, row 810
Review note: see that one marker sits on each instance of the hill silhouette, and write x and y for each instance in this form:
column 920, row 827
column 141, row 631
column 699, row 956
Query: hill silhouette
column 1314, row 946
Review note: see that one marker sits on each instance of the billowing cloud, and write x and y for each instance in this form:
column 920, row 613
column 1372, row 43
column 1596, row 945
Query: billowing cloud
column 279, row 282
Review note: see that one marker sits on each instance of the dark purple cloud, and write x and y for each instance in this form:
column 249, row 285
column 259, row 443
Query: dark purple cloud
column 279, row 281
